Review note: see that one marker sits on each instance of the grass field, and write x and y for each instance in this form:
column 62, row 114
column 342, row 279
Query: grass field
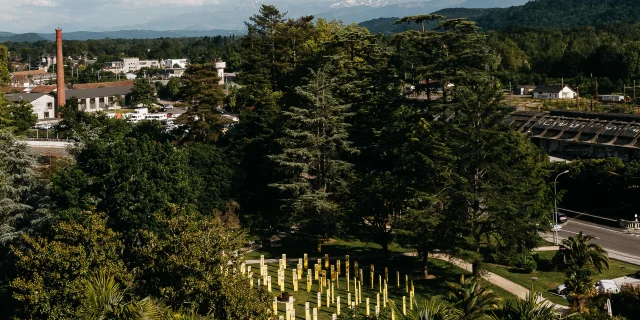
column 443, row 272
column 296, row 245
column 549, row 279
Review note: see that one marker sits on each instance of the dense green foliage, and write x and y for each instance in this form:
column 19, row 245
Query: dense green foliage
column 544, row 42
column 4, row 66
column 562, row 14
column 328, row 143
column 16, row 118
column 142, row 94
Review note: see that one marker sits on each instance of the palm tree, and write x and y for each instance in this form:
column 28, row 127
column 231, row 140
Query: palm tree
column 428, row 310
column 470, row 300
column 531, row 308
column 103, row 299
column 580, row 253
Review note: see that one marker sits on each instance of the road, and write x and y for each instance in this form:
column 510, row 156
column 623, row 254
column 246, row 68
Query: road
column 619, row 244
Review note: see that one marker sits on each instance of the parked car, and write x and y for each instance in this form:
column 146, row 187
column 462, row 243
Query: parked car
column 44, row 126
column 638, row 274
column 563, row 290
column 562, row 218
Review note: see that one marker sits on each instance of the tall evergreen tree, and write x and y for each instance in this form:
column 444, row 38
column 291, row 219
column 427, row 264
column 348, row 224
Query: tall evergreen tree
column 499, row 194
column 142, row 93
column 314, row 147
column 5, row 77
column 203, row 97
column 22, row 193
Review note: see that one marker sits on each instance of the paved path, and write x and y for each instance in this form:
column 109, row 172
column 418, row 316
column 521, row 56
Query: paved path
column 508, row 285
column 496, row 280
column 549, row 248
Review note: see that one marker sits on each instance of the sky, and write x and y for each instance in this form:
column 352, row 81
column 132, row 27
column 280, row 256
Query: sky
column 96, row 15
column 43, row 16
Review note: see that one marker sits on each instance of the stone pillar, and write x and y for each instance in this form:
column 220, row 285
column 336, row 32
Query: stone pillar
column 87, row 104
column 106, row 102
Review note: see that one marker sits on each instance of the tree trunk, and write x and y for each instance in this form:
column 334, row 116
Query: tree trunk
column 475, row 268
column 385, row 251
column 425, row 266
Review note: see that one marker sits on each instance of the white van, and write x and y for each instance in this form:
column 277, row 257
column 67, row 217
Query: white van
column 135, row 117
column 156, row 116
column 606, row 286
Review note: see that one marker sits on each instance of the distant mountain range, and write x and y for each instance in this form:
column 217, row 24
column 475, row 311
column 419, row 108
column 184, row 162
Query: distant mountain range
column 229, row 17
column 561, row 14
column 122, row 34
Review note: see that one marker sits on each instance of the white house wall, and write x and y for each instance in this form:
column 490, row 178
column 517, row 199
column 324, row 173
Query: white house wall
column 43, row 105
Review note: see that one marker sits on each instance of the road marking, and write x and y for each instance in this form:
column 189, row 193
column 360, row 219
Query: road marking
column 586, row 214
column 572, row 232
column 596, row 227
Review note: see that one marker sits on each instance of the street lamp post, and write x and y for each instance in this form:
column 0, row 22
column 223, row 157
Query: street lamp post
column 555, row 205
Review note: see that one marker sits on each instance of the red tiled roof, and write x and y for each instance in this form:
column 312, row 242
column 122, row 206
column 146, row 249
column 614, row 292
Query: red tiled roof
column 43, row 89
column 29, row 73
column 10, row 89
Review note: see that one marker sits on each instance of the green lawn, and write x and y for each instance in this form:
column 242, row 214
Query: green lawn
column 296, row 245
column 549, row 279
column 435, row 288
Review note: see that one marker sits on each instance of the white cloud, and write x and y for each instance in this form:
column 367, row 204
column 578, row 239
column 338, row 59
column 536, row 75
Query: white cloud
column 38, row 3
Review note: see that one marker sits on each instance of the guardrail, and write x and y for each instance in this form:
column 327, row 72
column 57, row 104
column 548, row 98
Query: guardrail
column 630, row 224
column 605, row 221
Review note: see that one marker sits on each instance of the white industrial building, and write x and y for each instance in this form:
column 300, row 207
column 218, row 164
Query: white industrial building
column 128, row 65
column 554, row 92
column 176, row 63
column 611, row 98
column 43, row 104
column 99, row 99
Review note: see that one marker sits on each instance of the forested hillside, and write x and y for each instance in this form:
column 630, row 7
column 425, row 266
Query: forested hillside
column 561, row 14
column 23, row 37
column 387, row 26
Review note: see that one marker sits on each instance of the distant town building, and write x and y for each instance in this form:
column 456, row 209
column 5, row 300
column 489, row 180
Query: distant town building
column 128, row 65
column 553, row 92
column 220, row 66
column 43, row 104
column 611, row 98
column 525, row 90
column 99, row 99
column 176, row 63
column 46, row 61
column 23, row 79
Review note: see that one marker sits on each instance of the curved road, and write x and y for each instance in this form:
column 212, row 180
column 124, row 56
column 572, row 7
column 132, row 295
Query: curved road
column 620, row 244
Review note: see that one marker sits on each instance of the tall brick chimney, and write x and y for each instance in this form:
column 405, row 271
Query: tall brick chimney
column 60, row 70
